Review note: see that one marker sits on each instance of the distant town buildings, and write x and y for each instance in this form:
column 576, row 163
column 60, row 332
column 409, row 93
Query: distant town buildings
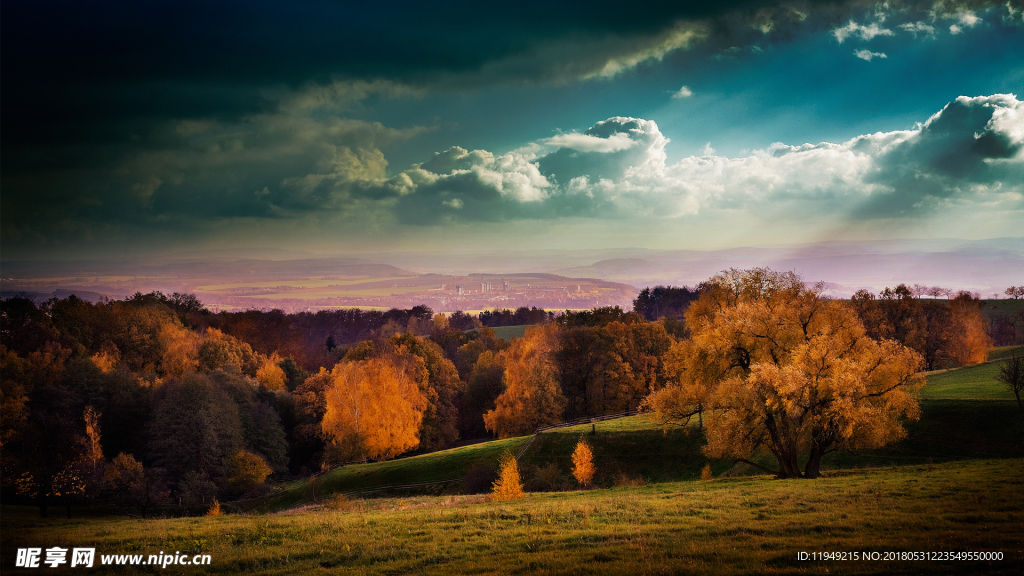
column 494, row 293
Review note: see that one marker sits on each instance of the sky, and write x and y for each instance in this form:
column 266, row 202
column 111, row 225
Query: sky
column 131, row 129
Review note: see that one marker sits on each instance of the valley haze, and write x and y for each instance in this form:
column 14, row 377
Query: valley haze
column 553, row 279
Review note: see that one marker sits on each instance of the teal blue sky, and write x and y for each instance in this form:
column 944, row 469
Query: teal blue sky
column 336, row 128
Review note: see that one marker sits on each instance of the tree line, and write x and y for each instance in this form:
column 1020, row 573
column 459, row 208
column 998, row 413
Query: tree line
column 155, row 401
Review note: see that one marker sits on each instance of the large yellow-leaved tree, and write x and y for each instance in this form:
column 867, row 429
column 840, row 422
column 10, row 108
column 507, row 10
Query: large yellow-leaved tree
column 532, row 396
column 771, row 364
column 374, row 407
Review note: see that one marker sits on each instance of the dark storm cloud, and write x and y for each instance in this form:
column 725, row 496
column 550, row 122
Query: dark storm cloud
column 95, row 93
column 142, row 115
column 970, row 145
column 69, row 66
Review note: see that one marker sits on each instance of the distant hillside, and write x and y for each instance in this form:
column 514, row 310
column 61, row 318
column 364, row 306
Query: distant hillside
column 557, row 279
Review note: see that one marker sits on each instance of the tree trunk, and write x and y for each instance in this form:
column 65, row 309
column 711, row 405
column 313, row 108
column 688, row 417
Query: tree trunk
column 813, row 468
column 819, row 446
column 788, row 466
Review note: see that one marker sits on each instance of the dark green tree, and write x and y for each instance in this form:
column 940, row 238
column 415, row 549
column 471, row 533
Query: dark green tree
column 293, row 373
column 195, row 426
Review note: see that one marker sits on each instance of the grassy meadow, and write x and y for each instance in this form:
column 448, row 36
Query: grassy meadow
column 750, row 525
column 973, row 382
column 1003, row 307
column 510, row 332
column 954, row 484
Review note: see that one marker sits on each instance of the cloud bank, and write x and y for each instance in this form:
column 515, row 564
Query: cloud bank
column 970, row 154
column 134, row 119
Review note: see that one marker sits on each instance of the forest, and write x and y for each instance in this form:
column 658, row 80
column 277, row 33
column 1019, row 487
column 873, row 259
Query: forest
column 153, row 402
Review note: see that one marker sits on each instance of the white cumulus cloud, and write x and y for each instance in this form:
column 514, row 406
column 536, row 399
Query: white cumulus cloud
column 868, row 55
column 968, row 156
column 852, row 29
column 683, row 92
column 916, row 28
column 588, row 143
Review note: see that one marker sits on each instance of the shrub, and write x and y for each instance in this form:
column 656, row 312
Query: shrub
column 549, row 477
column 623, row 480
column 245, row 471
column 214, row 510
column 197, row 490
column 583, row 463
column 508, row 486
column 339, row 502
column 480, row 478
column 258, row 491
column 705, row 472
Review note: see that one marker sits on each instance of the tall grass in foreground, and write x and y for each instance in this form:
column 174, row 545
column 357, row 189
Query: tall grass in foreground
column 724, row 526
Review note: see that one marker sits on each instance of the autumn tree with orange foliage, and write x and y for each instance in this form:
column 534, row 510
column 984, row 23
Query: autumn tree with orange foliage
column 532, row 396
column 773, row 365
column 441, row 388
column 270, row 375
column 92, row 463
column 610, row 368
column 374, row 407
column 219, row 350
column 245, row 471
column 971, row 342
column 508, row 486
column 583, row 463
column 180, row 349
column 126, row 479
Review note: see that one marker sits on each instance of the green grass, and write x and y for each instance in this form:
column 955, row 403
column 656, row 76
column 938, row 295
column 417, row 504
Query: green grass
column 638, row 449
column 969, row 382
column 1002, row 307
column 977, row 381
column 966, row 414
column 725, row 526
column 442, row 465
column 948, row 430
column 1004, row 352
column 510, row 332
